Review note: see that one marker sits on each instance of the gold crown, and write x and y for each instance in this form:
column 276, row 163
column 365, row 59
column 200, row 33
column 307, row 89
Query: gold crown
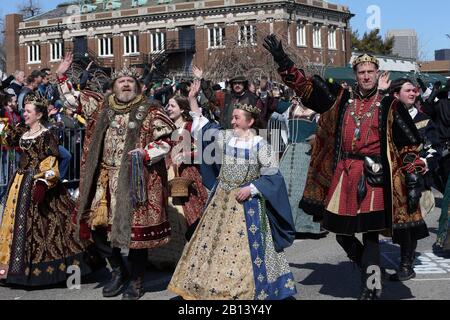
column 36, row 100
column 126, row 72
column 365, row 58
column 248, row 108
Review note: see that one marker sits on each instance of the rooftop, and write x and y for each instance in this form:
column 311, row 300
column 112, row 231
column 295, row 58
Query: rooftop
column 97, row 6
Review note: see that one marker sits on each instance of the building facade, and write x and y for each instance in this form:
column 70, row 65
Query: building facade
column 115, row 33
column 441, row 55
column 440, row 67
column 405, row 43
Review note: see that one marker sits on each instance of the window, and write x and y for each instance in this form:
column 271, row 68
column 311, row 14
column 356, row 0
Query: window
column 247, row 35
column 34, row 53
column 343, row 40
column 56, row 51
column 301, row 35
column 157, row 41
column 216, row 36
column 131, row 45
column 332, row 39
column 105, row 47
column 317, row 37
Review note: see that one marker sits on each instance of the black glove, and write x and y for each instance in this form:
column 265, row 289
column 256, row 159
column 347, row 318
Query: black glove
column 422, row 85
column 274, row 46
column 414, row 186
column 436, row 88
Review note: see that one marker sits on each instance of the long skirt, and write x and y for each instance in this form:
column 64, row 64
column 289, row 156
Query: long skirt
column 231, row 256
column 294, row 168
column 38, row 242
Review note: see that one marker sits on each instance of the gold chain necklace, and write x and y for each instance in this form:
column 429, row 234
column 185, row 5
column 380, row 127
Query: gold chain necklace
column 32, row 133
column 359, row 118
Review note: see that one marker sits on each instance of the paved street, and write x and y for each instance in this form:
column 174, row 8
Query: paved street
column 320, row 267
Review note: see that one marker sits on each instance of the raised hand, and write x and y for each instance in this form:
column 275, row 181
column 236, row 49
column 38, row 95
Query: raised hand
column 65, row 64
column 198, row 73
column 194, row 90
column 383, row 81
column 275, row 47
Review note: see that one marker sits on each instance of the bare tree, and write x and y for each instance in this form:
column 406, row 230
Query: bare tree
column 253, row 61
column 29, row 8
column 422, row 54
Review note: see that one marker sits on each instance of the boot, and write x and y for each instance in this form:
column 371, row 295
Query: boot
column 406, row 270
column 119, row 278
column 407, row 257
column 135, row 289
column 368, row 294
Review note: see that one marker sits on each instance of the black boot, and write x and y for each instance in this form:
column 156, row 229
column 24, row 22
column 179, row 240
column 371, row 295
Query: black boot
column 119, row 277
column 368, row 294
column 135, row 289
column 406, row 269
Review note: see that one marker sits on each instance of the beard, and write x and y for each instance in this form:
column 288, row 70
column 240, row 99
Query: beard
column 126, row 96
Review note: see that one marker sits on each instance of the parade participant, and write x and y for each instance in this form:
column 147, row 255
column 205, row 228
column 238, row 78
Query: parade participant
column 9, row 156
column 123, row 193
column 302, row 125
column 236, row 251
column 37, row 240
column 188, row 195
column 224, row 101
column 437, row 106
column 365, row 171
column 405, row 91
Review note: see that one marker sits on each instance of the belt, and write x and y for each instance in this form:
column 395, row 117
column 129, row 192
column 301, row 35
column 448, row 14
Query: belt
column 356, row 156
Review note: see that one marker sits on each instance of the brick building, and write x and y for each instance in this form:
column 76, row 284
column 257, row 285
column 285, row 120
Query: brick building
column 132, row 31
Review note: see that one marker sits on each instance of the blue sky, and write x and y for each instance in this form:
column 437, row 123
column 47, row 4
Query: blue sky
column 430, row 21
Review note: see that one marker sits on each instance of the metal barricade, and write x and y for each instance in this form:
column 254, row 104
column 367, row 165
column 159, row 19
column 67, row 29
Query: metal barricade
column 70, row 139
column 277, row 131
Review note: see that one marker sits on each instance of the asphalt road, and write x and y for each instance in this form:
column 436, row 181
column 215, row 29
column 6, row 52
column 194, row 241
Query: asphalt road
column 320, row 267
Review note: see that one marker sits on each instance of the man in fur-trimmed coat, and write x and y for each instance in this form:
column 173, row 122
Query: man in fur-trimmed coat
column 119, row 211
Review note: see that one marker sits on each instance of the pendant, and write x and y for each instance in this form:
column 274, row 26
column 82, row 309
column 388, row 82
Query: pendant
column 357, row 134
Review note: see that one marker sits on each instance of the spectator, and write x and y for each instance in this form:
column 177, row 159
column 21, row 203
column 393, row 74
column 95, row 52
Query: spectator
column 33, row 82
column 18, row 82
column 47, row 89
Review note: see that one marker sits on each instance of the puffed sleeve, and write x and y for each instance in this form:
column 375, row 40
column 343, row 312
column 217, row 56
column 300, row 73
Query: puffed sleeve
column 161, row 128
column 48, row 168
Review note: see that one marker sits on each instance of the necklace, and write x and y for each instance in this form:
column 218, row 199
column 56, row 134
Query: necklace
column 28, row 134
column 359, row 117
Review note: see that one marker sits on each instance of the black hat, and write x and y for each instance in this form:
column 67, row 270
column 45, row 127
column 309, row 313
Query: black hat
column 237, row 79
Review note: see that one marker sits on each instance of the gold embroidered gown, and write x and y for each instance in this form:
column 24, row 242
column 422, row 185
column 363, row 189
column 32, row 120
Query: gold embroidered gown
column 37, row 242
column 231, row 254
